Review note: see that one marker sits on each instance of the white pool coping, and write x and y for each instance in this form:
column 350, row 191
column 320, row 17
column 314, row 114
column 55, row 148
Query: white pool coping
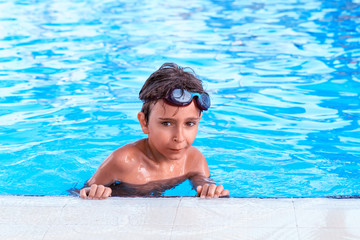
column 67, row 217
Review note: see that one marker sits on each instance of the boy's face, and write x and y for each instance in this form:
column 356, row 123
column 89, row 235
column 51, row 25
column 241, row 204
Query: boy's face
column 171, row 129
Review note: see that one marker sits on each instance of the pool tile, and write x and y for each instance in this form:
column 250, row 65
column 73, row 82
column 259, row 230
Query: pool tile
column 142, row 218
column 22, row 231
column 238, row 233
column 95, row 232
column 278, row 213
column 287, row 233
column 150, row 213
column 328, row 233
column 40, row 201
column 204, row 213
column 178, row 218
column 30, row 215
column 327, row 213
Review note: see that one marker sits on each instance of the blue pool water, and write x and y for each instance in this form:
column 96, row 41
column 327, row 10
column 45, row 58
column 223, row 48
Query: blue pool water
column 283, row 76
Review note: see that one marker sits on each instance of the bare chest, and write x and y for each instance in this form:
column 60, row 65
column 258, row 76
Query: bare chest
column 145, row 172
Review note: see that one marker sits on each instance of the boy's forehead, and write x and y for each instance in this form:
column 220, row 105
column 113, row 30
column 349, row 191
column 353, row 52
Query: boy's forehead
column 162, row 109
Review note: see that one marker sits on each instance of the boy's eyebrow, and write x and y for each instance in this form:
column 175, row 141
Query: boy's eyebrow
column 191, row 119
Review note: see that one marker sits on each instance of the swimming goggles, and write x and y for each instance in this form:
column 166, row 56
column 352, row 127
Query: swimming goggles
column 182, row 97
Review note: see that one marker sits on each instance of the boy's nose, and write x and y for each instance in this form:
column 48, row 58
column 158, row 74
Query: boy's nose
column 178, row 136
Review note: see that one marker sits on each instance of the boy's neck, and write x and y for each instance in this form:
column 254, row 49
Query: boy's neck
column 153, row 155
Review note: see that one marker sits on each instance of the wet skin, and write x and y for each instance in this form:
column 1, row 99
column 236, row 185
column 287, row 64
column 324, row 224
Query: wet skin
column 166, row 154
column 150, row 189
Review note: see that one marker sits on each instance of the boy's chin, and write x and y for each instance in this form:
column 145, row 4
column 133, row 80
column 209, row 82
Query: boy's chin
column 175, row 155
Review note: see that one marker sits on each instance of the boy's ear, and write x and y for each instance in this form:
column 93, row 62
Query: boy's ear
column 142, row 121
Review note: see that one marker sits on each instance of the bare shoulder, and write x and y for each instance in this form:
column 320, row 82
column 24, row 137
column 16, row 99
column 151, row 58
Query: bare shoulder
column 196, row 162
column 196, row 154
column 118, row 165
column 127, row 155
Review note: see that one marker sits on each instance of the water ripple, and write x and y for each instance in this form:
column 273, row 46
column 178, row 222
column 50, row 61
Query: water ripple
column 283, row 78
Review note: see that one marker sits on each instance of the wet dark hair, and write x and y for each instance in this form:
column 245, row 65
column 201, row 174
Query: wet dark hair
column 167, row 78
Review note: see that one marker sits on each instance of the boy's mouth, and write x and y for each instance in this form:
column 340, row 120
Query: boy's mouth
column 175, row 150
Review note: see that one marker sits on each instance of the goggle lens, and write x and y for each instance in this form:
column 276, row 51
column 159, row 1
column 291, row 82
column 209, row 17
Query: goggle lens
column 205, row 101
column 182, row 97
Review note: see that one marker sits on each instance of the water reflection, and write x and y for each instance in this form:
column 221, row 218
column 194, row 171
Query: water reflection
column 283, row 77
column 154, row 188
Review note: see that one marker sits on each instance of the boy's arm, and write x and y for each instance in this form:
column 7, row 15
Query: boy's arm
column 105, row 175
column 201, row 181
column 206, row 187
column 107, row 172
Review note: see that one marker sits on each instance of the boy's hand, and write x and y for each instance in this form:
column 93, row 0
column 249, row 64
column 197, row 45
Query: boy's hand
column 211, row 191
column 95, row 192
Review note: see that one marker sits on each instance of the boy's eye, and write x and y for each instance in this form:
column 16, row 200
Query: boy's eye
column 190, row 124
column 166, row 123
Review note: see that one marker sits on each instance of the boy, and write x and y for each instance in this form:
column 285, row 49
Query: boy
column 173, row 101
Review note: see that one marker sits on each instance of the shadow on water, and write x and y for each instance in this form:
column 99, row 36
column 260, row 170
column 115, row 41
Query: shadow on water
column 151, row 189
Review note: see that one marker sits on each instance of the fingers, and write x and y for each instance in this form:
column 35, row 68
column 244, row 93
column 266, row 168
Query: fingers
column 204, row 190
column 92, row 191
column 198, row 191
column 108, row 191
column 83, row 192
column 207, row 191
column 225, row 193
column 219, row 189
column 211, row 191
column 99, row 192
column 95, row 192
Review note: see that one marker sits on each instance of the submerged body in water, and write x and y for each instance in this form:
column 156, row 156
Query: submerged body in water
column 154, row 188
column 151, row 189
